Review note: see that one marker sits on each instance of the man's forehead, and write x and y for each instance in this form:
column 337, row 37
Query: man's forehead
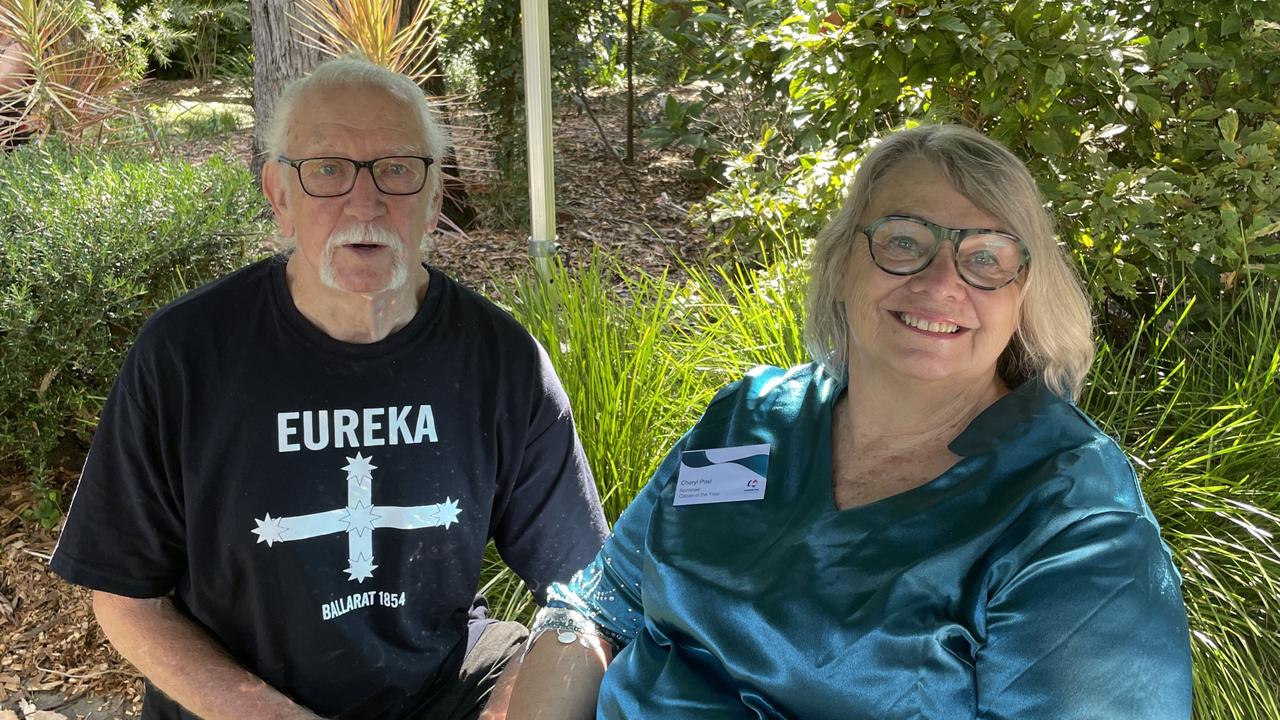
column 337, row 136
column 335, row 118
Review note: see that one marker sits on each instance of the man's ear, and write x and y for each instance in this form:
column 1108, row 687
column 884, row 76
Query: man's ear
column 275, row 187
column 433, row 209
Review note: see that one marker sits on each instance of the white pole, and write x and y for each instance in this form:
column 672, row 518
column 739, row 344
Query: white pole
column 537, row 96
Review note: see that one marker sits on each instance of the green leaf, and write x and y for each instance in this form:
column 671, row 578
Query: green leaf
column 1148, row 105
column 951, row 23
column 1204, row 112
column 1024, row 14
column 1229, row 125
column 1046, row 142
column 1271, row 229
column 1231, row 24
column 1056, row 75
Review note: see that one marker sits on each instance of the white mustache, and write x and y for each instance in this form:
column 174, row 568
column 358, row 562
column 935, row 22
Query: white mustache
column 363, row 235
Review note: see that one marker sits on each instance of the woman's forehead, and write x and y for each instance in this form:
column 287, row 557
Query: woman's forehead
column 920, row 188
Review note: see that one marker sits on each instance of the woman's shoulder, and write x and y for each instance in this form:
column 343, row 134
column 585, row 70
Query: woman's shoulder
column 1050, row 447
column 768, row 386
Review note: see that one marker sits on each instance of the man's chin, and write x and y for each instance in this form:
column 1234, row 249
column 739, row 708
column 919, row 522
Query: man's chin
column 365, row 283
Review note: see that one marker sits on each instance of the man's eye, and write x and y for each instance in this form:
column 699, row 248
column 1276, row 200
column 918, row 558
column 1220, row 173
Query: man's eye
column 327, row 169
column 395, row 169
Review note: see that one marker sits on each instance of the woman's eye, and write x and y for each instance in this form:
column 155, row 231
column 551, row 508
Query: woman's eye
column 903, row 243
column 984, row 258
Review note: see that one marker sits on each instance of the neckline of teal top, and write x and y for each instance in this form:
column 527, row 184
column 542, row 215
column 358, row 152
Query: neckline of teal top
column 1029, row 414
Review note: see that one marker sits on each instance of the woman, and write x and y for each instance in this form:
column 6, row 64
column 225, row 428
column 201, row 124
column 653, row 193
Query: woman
column 938, row 531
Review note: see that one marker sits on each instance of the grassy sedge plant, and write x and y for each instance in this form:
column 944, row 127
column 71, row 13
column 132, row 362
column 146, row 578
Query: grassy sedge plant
column 1197, row 405
column 1192, row 394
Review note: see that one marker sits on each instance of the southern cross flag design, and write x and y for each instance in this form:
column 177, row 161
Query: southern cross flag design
column 358, row 520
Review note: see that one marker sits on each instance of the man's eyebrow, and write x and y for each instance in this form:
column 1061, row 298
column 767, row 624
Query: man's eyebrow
column 323, row 145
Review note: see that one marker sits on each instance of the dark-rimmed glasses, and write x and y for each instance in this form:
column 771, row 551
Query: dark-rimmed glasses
column 333, row 176
column 985, row 259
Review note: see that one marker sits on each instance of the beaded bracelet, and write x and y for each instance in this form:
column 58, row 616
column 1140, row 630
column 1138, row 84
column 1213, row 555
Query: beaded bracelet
column 570, row 626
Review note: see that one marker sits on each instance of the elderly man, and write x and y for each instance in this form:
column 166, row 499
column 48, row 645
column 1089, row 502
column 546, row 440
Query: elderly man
column 286, row 506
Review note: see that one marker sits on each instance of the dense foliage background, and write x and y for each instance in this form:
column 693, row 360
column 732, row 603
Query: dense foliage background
column 1153, row 129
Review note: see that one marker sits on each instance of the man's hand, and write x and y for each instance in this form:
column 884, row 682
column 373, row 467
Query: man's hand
column 180, row 659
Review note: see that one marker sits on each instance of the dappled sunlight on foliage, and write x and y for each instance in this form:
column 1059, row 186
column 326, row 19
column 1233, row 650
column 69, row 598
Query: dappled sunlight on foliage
column 1152, row 129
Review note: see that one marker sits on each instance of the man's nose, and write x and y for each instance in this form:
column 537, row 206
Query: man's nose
column 365, row 201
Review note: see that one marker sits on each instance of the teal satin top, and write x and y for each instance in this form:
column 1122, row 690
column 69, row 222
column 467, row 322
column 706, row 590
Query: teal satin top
column 1028, row 581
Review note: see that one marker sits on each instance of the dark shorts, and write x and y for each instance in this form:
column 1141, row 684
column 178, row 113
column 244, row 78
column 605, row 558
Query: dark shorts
column 464, row 699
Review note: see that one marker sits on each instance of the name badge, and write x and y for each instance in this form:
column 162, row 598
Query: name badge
column 718, row 475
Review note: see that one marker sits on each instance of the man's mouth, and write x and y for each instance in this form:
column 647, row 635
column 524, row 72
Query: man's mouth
column 934, row 326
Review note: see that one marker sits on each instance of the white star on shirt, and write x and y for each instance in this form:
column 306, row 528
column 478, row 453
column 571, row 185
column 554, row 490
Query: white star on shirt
column 360, row 466
column 449, row 512
column 361, row 569
column 359, row 519
column 270, row 530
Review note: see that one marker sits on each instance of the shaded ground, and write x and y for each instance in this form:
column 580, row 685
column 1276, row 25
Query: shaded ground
column 54, row 658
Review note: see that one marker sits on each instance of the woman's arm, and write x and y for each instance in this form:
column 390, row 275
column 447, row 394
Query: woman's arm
column 1092, row 626
column 561, row 680
column 558, row 681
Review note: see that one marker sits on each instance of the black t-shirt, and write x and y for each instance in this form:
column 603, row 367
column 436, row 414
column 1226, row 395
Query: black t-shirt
column 321, row 507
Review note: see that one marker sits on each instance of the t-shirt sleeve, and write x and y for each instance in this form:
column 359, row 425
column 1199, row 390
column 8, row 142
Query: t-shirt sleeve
column 551, row 524
column 1092, row 626
column 125, row 532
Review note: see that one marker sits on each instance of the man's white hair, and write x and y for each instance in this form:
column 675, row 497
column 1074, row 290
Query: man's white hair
column 357, row 70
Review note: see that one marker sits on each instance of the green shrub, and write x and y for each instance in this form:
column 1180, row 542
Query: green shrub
column 92, row 244
column 1194, row 398
column 1153, row 129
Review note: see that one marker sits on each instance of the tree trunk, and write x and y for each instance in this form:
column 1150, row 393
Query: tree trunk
column 631, row 86
column 279, row 57
column 434, row 86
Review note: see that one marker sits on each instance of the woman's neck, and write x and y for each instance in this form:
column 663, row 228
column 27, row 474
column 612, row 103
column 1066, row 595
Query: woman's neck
column 925, row 417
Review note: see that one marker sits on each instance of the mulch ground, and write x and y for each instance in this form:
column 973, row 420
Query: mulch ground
column 53, row 657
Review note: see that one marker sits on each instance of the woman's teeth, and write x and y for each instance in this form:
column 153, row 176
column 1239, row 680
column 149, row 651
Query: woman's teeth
column 922, row 324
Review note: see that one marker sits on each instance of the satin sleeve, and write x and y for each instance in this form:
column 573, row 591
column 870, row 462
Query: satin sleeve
column 610, row 589
column 1092, row 626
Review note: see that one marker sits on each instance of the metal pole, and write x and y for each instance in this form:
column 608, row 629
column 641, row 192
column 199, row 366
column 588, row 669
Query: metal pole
column 537, row 95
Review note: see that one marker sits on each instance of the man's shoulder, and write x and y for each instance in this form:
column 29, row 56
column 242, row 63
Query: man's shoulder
column 210, row 307
column 473, row 313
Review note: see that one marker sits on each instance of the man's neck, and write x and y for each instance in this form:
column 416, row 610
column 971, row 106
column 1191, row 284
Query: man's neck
column 357, row 317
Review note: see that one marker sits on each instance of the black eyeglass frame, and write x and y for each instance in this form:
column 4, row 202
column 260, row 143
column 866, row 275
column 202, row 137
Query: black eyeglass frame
column 427, row 161
column 941, row 234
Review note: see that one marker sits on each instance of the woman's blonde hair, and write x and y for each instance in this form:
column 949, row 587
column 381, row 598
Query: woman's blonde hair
column 1054, row 338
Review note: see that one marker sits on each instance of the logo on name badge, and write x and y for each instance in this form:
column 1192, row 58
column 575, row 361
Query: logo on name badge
column 717, row 475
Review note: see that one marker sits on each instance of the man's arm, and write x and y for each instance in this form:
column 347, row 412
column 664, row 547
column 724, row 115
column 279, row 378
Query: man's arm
column 179, row 658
